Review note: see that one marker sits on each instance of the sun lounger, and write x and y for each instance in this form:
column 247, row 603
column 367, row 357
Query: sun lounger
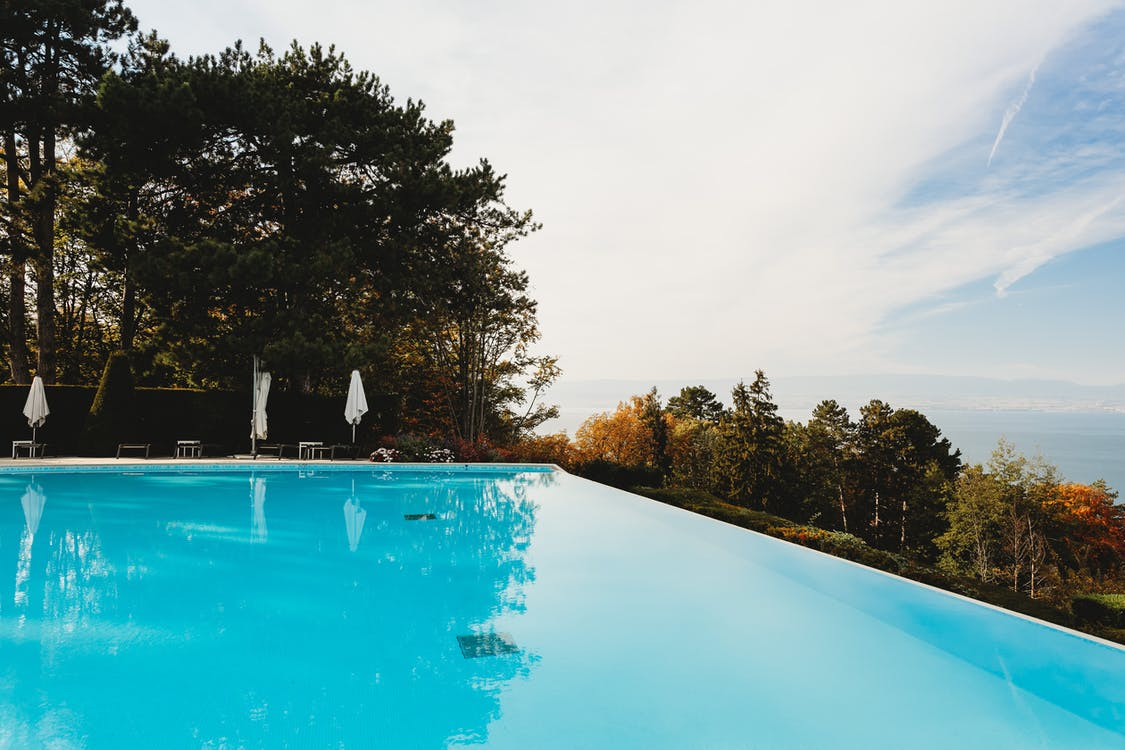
column 343, row 450
column 27, row 446
column 188, row 449
column 133, row 447
column 277, row 449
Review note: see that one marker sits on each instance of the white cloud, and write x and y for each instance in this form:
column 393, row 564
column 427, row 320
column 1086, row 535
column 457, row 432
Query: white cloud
column 718, row 181
column 1012, row 111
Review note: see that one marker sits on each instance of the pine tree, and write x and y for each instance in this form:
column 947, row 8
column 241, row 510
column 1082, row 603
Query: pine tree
column 53, row 55
column 750, row 458
column 830, row 460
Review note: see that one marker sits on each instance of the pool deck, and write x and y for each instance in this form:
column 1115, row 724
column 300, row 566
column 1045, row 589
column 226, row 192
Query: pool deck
column 141, row 461
column 264, row 463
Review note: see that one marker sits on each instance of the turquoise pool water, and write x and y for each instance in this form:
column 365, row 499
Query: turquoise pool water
column 515, row 609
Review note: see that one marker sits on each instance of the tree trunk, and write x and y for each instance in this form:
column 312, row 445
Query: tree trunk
column 983, row 559
column 17, row 274
column 45, row 266
column 902, row 533
column 843, row 506
column 1017, row 552
column 128, row 312
column 876, row 523
column 129, row 292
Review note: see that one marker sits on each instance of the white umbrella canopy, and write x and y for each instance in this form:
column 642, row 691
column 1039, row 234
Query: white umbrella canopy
column 261, row 395
column 356, row 405
column 35, row 409
column 33, row 501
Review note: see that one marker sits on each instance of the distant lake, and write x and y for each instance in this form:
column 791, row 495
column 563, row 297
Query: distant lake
column 1084, row 445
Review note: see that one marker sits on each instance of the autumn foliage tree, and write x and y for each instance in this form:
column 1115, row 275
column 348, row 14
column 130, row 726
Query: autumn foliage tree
column 1013, row 522
column 624, row 436
column 1090, row 528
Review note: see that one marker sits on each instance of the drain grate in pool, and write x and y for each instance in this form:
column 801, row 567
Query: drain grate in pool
column 419, row 516
column 486, row 644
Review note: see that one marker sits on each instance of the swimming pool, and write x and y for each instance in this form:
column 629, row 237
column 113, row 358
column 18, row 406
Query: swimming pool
column 358, row 606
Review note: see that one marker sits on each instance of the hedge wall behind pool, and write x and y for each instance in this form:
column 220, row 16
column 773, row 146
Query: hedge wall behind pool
column 220, row 419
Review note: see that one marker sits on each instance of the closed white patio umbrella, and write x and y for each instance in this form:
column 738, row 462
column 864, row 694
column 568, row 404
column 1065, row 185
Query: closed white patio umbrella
column 35, row 409
column 259, row 425
column 356, row 406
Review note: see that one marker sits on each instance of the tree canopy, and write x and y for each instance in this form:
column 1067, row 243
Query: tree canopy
column 248, row 202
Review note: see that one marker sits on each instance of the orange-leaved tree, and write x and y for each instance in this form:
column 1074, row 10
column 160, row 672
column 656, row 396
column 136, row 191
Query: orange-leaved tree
column 1091, row 526
column 627, row 436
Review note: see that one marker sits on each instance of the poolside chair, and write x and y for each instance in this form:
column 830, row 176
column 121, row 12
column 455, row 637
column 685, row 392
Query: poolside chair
column 133, row 447
column 277, row 449
column 349, row 451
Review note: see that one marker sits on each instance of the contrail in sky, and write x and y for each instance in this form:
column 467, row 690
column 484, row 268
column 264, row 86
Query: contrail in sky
column 1013, row 110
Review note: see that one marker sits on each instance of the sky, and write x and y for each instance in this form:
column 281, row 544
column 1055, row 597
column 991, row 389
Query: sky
column 803, row 187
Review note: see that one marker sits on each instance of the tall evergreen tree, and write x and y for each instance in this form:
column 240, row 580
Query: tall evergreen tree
column 53, row 55
column 830, row 461
column 906, row 478
column 657, row 421
column 750, row 460
column 146, row 124
column 877, row 442
column 696, row 402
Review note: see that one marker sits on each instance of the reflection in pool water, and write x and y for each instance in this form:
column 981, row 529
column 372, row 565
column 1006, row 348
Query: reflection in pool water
column 145, row 611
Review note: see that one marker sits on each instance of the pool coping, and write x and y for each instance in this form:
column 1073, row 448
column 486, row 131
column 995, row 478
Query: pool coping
column 98, row 465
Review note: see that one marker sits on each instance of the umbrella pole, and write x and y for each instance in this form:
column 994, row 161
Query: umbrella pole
column 254, row 409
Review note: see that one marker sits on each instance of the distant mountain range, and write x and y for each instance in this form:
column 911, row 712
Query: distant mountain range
column 797, row 395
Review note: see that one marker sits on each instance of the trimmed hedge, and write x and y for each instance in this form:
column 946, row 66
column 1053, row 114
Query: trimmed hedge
column 616, row 475
column 113, row 416
column 220, row 419
column 69, row 406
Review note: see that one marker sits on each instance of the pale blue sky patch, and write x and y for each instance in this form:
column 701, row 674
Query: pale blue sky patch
column 1052, row 324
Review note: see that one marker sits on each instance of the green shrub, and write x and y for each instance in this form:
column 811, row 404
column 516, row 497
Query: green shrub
column 413, row 447
column 618, row 475
column 113, row 415
column 842, row 540
column 1112, row 634
column 704, row 503
column 1100, row 609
